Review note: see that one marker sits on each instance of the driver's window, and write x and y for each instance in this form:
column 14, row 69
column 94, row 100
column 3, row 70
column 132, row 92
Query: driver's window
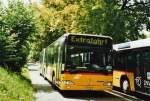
column 76, row 58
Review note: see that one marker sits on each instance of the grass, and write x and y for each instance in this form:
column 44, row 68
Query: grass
column 15, row 87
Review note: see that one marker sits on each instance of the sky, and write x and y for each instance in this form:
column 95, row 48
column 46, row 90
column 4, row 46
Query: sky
column 146, row 32
column 5, row 2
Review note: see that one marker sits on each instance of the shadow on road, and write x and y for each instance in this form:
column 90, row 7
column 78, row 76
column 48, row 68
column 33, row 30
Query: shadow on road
column 85, row 94
column 42, row 88
column 143, row 97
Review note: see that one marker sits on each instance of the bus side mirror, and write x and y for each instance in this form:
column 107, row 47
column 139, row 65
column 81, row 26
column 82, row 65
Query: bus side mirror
column 109, row 68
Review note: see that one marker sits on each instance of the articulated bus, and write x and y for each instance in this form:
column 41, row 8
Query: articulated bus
column 78, row 62
column 132, row 66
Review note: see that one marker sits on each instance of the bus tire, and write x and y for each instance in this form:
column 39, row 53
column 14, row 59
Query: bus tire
column 125, row 86
column 40, row 74
column 54, row 82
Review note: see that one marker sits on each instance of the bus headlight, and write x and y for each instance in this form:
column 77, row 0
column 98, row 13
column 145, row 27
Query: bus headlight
column 67, row 82
column 107, row 84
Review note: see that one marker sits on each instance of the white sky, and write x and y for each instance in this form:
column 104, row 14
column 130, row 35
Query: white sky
column 146, row 32
column 5, row 2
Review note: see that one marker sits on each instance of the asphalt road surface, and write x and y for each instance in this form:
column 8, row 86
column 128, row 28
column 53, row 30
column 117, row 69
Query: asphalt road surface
column 45, row 92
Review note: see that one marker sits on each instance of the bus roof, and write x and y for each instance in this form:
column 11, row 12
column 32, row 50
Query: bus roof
column 132, row 44
column 94, row 35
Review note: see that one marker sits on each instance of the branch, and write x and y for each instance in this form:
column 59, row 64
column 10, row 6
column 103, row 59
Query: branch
column 135, row 4
column 125, row 2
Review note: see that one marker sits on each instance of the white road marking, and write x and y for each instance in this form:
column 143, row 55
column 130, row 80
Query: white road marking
column 118, row 95
column 125, row 94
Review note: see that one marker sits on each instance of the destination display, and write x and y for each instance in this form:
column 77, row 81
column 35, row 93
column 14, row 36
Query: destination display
column 89, row 40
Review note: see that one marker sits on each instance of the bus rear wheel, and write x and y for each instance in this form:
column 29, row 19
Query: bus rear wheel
column 125, row 85
column 54, row 82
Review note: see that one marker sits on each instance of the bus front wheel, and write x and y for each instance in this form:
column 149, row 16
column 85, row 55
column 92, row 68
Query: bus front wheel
column 54, row 82
column 125, row 85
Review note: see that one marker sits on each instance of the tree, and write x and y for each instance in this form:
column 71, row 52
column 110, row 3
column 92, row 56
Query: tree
column 18, row 25
column 122, row 20
column 137, row 13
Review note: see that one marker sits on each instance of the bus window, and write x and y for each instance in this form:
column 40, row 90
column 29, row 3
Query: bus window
column 146, row 64
column 119, row 62
column 138, row 63
column 87, row 58
column 131, row 61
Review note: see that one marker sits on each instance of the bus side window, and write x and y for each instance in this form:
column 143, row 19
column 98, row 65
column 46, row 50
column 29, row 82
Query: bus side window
column 131, row 61
column 119, row 62
column 116, row 61
column 138, row 62
column 146, row 63
column 146, row 59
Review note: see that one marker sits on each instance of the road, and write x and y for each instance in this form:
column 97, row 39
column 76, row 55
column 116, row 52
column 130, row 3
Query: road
column 45, row 92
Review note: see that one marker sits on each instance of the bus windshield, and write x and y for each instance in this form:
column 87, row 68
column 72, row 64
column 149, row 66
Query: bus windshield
column 87, row 59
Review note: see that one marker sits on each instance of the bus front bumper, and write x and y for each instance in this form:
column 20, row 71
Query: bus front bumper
column 100, row 87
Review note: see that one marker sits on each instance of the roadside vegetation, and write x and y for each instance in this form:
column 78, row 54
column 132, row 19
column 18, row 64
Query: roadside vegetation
column 14, row 86
column 18, row 24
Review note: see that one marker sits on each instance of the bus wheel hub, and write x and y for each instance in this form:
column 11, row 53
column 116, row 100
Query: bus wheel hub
column 125, row 85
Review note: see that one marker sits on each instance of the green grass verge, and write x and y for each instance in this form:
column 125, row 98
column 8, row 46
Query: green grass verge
column 15, row 87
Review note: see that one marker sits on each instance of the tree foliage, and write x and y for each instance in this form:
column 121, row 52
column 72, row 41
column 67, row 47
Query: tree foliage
column 17, row 26
column 121, row 19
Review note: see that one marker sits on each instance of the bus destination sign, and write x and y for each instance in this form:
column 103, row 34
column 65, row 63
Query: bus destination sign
column 98, row 41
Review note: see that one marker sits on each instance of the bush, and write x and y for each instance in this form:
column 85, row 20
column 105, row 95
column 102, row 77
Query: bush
column 14, row 87
column 17, row 25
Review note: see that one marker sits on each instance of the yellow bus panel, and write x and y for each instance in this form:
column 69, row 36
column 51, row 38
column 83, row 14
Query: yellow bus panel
column 117, row 78
column 85, row 82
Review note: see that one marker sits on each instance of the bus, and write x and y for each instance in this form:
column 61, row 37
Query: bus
column 78, row 62
column 132, row 66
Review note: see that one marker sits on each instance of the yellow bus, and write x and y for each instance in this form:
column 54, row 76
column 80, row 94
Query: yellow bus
column 78, row 62
column 132, row 66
